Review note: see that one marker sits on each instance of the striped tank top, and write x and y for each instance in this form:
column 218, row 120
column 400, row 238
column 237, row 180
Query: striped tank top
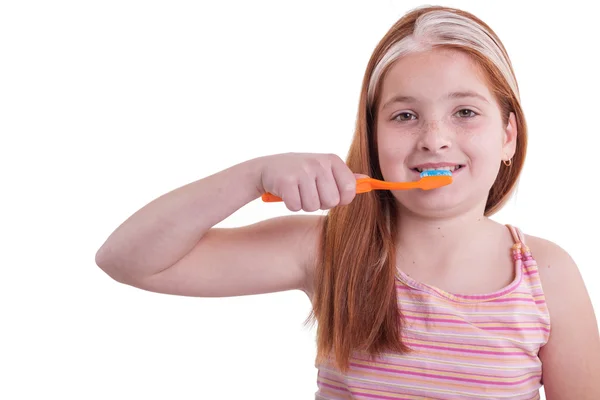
column 462, row 346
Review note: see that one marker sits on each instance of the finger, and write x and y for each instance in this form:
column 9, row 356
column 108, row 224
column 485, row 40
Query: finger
column 291, row 198
column 346, row 182
column 329, row 194
column 309, row 195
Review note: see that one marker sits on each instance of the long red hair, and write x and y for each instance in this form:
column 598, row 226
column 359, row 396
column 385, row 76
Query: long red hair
column 354, row 302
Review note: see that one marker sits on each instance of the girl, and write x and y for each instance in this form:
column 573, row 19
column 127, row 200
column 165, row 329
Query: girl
column 416, row 294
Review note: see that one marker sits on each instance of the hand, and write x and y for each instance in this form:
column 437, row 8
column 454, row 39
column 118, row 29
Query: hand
column 309, row 182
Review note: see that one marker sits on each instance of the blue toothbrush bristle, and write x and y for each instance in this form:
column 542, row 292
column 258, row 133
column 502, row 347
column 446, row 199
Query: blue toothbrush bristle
column 436, row 172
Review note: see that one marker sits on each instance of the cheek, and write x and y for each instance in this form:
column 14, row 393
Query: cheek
column 484, row 152
column 481, row 142
column 392, row 147
column 394, row 142
column 393, row 152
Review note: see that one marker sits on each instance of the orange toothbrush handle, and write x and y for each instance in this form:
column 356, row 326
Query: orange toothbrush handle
column 425, row 183
column 270, row 198
column 364, row 185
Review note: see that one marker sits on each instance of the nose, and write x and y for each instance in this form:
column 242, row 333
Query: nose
column 434, row 138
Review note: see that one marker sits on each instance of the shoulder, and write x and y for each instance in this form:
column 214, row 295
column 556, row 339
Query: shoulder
column 562, row 282
column 571, row 357
column 549, row 254
column 555, row 265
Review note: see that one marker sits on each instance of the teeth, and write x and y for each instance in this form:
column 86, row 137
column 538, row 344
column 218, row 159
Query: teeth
column 451, row 169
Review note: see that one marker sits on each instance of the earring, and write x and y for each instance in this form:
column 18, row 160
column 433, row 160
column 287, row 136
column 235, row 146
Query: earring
column 508, row 163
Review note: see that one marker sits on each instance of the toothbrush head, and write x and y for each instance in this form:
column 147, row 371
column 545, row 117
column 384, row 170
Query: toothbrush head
column 436, row 172
column 434, row 179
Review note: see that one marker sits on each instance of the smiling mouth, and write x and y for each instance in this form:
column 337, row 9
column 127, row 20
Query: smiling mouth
column 451, row 169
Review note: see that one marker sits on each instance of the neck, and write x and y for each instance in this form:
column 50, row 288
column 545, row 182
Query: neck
column 440, row 237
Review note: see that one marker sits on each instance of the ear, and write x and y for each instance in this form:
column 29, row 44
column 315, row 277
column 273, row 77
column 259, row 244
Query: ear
column 509, row 144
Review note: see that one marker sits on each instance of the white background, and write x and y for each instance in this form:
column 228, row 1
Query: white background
column 105, row 105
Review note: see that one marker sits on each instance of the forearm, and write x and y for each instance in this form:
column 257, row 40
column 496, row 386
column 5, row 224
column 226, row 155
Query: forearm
column 166, row 229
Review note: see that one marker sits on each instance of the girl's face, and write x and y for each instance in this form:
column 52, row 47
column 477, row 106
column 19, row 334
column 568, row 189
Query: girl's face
column 436, row 110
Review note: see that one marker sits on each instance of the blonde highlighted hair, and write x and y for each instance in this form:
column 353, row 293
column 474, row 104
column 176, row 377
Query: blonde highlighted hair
column 354, row 302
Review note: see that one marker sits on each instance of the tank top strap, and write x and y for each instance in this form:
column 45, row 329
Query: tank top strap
column 528, row 267
column 517, row 235
column 520, row 249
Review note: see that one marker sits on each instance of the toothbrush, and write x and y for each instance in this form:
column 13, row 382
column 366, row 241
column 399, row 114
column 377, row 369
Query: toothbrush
column 431, row 179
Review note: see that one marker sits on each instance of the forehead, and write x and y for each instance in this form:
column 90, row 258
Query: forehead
column 430, row 75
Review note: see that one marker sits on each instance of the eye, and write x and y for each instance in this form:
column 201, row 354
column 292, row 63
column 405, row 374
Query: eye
column 405, row 116
column 466, row 113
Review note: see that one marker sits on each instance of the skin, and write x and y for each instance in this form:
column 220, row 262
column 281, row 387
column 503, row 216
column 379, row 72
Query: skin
column 171, row 246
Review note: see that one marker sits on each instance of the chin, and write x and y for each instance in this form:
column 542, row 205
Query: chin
column 433, row 204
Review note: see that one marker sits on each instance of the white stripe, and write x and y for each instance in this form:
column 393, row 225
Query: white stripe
column 434, row 334
column 409, row 357
column 458, row 313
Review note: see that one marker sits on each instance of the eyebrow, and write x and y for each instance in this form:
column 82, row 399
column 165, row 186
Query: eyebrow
column 453, row 95
column 468, row 93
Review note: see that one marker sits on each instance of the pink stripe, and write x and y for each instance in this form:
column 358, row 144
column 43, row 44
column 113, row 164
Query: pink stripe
column 505, row 300
column 435, row 320
column 495, row 353
column 376, row 396
column 372, row 396
column 500, row 328
column 472, row 321
column 513, row 299
column 446, row 371
column 452, row 321
column 448, row 377
column 467, row 340
column 462, row 296
column 341, row 389
column 487, row 296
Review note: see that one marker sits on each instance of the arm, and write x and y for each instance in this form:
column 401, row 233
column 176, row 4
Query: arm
column 269, row 256
column 571, row 358
column 163, row 231
column 171, row 245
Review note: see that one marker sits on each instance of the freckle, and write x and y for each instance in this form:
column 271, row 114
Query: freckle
column 443, row 236
column 413, row 262
column 438, row 227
